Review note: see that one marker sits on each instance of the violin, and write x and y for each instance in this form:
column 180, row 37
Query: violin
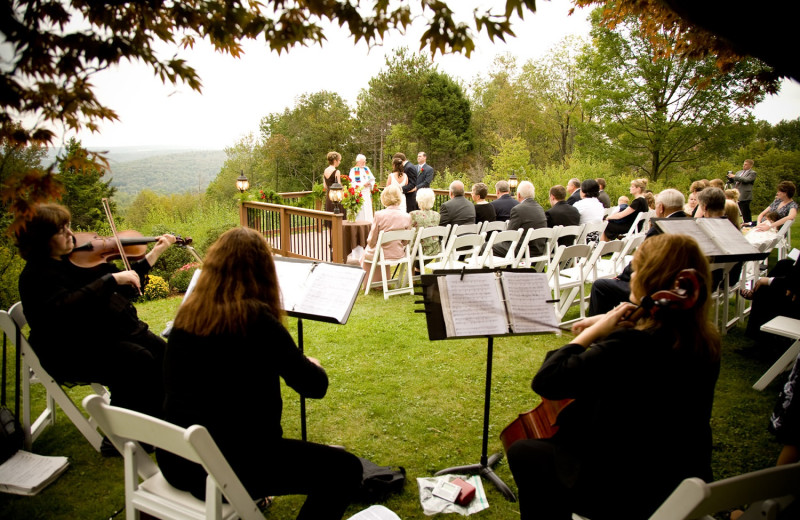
column 540, row 423
column 91, row 250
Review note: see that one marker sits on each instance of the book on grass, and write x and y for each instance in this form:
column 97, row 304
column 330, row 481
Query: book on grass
column 496, row 303
column 27, row 473
column 719, row 239
column 319, row 291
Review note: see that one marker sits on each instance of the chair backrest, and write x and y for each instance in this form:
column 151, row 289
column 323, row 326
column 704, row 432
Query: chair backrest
column 569, row 231
column 464, row 229
column 592, row 227
column 609, row 211
column 613, row 266
column 495, row 225
column 768, row 491
column 439, row 233
column 637, row 228
column 385, row 237
column 465, row 248
column 126, row 429
column 498, row 237
column 532, row 235
column 565, row 257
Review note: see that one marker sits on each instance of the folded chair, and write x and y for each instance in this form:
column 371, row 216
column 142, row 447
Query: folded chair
column 147, row 490
column 12, row 323
column 764, row 494
column 404, row 282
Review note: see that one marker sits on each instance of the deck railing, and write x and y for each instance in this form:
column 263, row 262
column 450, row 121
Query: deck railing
column 305, row 233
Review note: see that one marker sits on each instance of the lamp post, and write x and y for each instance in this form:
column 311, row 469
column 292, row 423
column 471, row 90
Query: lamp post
column 335, row 195
column 242, row 184
column 512, row 183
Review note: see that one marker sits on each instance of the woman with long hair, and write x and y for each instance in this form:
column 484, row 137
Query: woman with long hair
column 330, row 176
column 225, row 357
column 398, row 177
column 642, row 390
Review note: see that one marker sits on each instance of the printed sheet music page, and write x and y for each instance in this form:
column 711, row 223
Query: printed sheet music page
column 527, row 295
column 472, row 305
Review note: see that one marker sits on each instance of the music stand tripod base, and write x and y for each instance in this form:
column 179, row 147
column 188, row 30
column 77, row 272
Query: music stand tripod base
column 484, row 468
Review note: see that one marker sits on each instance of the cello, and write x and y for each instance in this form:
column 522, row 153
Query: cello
column 542, row 421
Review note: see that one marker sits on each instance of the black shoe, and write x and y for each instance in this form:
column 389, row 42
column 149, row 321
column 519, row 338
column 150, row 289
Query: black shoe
column 108, row 450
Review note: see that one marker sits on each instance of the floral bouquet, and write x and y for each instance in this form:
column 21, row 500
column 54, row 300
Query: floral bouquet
column 352, row 198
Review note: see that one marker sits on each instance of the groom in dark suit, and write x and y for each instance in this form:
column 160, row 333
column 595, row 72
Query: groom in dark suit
column 410, row 189
column 607, row 293
column 424, row 171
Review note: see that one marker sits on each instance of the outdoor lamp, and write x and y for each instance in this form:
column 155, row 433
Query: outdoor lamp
column 335, row 195
column 242, row 183
column 512, row 182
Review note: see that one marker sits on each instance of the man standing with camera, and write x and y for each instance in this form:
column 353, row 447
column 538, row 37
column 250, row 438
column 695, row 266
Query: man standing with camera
column 743, row 182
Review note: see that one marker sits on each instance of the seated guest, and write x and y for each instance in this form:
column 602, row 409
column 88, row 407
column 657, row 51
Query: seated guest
column 425, row 217
column 390, row 219
column 57, row 295
column 783, row 205
column 717, row 183
column 764, row 232
column 574, row 190
column 696, row 187
column 773, row 295
column 651, row 199
column 590, row 207
column 711, row 203
column 525, row 215
column 230, row 333
column 457, row 210
column 691, row 203
column 484, row 212
column 733, row 213
column 607, row 293
column 732, row 194
column 561, row 213
column 603, row 196
column 621, row 222
column 622, row 203
column 504, row 202
column 579, row 469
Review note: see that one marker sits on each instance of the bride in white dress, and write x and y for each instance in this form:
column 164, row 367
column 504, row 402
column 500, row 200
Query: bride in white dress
column 361, row 177
column 398, row 177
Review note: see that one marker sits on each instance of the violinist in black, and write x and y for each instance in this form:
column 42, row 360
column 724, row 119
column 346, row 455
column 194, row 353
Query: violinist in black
column 84, row 327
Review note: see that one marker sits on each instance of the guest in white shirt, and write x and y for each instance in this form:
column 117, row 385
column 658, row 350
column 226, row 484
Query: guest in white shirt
column 590, row 207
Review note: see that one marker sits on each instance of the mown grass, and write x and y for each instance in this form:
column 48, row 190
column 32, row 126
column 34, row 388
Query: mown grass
column 397, row 398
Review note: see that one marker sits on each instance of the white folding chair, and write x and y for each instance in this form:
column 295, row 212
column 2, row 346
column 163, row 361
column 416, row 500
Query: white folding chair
column 785, row 242
column 636, row 228
column 12, row 323
column 571, row 234
column 632, row 243
column 765, row 493
column 463, row 251
column 438, row 233
column 495, row 225
column 406, row 268
column 509, row 237
column 538, row 262
column 567, row 276
column 147, row 490
column 592, row 232
column 606, row 267
column 788, row 328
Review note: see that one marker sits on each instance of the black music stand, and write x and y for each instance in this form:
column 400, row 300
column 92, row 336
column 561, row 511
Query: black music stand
column 437, row 331
column 318, row 291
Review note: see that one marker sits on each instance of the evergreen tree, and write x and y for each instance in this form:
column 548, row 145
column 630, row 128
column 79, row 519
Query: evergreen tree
column 84, row 189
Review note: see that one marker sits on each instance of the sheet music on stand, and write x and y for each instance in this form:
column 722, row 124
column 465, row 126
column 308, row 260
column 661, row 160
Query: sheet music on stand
column 480, row 303
column 319, row 291
column 719, row 240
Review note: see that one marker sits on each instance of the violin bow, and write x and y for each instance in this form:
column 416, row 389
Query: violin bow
column 107, row 209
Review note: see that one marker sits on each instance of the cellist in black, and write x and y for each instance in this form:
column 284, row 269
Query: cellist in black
column 643, row 392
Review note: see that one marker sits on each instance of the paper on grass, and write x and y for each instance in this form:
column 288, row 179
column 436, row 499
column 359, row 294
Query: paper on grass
column 27, row 473
column 375, row 513
column 432, row 504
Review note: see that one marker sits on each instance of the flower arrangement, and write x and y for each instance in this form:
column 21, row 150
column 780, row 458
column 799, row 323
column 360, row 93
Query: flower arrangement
column 352, row 198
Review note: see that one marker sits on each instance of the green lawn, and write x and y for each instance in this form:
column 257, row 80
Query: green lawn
column 397, row 398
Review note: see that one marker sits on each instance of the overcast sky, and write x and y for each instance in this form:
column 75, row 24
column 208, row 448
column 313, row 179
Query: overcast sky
column 237, row 93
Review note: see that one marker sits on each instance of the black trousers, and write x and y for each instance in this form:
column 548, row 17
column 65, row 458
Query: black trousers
column 770, row 301
column 744, row 207
column 606, row 294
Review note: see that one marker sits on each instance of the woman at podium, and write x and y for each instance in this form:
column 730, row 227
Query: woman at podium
column 225, row 357
column 642, row 384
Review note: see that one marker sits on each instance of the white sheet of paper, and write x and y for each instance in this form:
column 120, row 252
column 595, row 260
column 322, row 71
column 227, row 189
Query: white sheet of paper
column 527, row 295
column 329, row 291
column 474, row 303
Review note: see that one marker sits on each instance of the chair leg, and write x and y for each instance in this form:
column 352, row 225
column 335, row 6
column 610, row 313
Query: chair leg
column 371, row 272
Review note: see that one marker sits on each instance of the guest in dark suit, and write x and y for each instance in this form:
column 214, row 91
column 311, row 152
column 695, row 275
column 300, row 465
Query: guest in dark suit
column 607, row 293
column 561, row 213
column 743, row 182
column 484, row 212
column 410, row 189
column 424, row 171
column 457, row 210
column 574, row 190
column 603, row 196
column 504, row 202
column 526, row 215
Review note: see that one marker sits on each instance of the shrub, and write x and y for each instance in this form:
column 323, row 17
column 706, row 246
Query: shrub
column 180, row 279
column 156, row 288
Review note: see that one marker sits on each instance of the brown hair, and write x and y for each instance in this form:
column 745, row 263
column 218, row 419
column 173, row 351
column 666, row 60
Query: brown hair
column 787, row 187
column 399, row 155
column 237, row 283
column 397, row 165
column 654, row 271
column 480, row 189
column 640, row 183
column 334, row 156
column 732, row 213
column 558, row 192
column 34, row 233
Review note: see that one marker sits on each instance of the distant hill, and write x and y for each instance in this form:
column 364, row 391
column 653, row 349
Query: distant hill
column 164, row 170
